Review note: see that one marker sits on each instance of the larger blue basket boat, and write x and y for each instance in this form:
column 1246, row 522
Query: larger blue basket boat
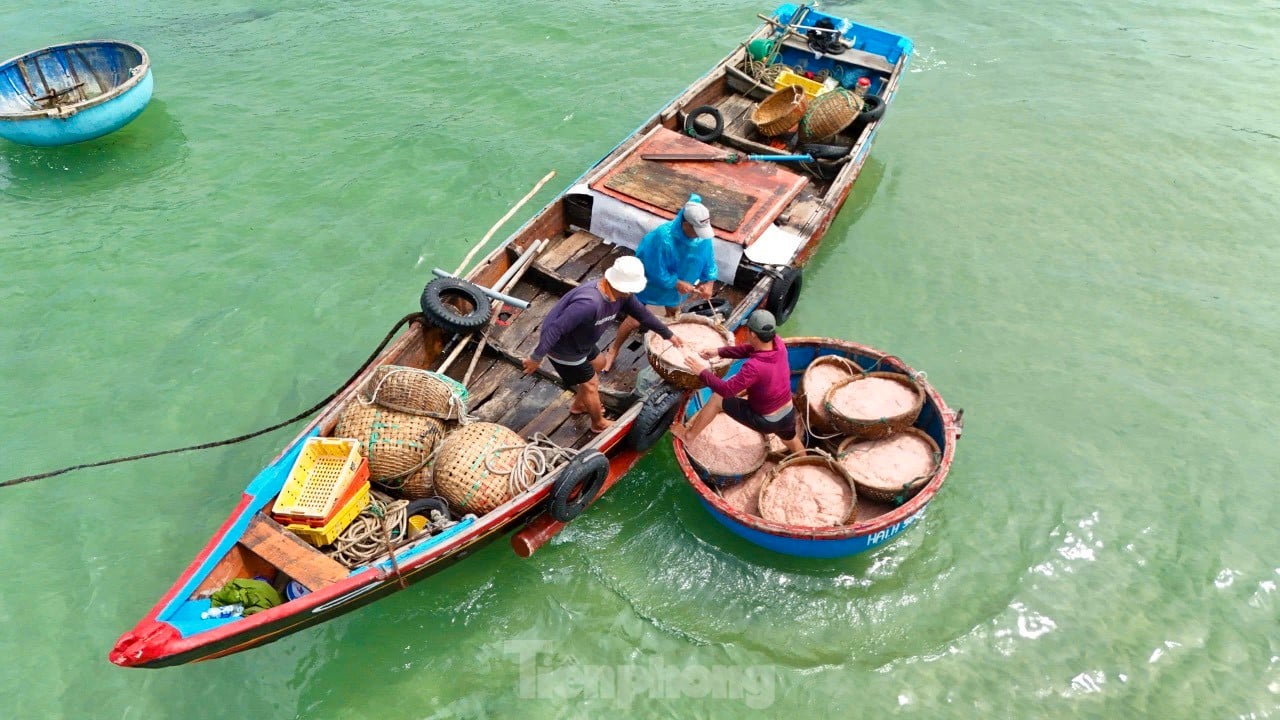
column 73, row 92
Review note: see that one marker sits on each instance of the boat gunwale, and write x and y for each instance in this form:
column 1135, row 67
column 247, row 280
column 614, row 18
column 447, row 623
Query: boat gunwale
column 66, row 111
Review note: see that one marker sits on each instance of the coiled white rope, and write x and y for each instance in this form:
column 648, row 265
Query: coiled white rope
column 362, row 541
column 537, row 458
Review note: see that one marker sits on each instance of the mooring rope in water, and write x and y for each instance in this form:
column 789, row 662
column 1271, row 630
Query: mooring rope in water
column 229, row 441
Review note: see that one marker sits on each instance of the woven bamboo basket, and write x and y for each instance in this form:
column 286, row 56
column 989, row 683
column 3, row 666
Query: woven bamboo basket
column 780, row 112
column 473, row 467
column 415, row 391
column 770, row 487
column 869, row 428
column 397, row 444
column 814, row 414
column 879, row 478
column 421, row 484
column 828, row 114
column 675, row 372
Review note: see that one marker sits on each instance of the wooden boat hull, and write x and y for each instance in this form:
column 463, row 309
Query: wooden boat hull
column 173, row 633
column 169, row 634
column 74, row 92
column 936, row 419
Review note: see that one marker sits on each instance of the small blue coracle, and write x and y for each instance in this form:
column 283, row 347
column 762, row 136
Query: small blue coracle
column 73, row 92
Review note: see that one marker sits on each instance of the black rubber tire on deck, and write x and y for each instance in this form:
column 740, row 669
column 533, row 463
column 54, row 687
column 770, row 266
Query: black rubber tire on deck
column 657, row 414
column 578, row 484
column 442, row 314
column 424, row 506
column 784, row 293
column 872, row 109
column 691, row 128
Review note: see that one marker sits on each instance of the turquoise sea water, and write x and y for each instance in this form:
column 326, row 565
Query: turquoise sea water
column 1067, row 221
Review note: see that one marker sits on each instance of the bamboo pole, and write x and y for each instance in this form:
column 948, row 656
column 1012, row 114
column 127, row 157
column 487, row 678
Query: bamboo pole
column 537, row 248
column 546, row 178
column 527, row 259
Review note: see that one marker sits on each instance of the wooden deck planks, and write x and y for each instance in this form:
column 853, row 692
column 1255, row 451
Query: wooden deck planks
column 483, row 386
column 578, row 267
column 551, row 417
column 507, row 396
column 555, row 257
column 543, row 394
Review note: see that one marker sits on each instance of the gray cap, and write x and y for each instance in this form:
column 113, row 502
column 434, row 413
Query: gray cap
column 763, row 324
column 698, row 216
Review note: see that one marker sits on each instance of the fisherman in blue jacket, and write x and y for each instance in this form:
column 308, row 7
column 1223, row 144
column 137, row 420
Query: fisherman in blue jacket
column 678, row 260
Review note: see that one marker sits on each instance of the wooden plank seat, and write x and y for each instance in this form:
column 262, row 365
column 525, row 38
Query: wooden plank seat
column 291, row 554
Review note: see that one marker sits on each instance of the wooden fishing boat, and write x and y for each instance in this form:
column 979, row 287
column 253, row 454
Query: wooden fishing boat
column 769, row 220
column 73, row 92
column 875, row 523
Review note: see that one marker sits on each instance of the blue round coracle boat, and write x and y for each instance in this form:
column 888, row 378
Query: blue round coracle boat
column 73, row 92
column 874, row 523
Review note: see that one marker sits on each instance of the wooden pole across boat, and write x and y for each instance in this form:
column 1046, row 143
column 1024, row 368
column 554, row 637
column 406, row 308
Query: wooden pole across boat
column 531, row 255
column 512, row 277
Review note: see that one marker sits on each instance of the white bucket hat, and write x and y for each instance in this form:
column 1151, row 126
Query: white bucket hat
column 626, row 275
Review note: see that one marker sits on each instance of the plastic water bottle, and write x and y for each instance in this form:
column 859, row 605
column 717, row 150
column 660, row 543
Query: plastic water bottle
column 862, row 87
column 222, row 611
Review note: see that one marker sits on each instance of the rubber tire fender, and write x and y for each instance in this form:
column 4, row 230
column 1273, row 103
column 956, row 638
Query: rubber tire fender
column 784, row 293
column 657, row 414
column 577, row 484
column 691, row 129
column 872, row 108
column 442, row 314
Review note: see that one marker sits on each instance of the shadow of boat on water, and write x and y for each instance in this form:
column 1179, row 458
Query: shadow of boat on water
column 151, row 143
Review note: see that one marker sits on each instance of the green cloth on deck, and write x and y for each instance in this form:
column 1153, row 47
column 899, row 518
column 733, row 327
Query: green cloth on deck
column 255, row 595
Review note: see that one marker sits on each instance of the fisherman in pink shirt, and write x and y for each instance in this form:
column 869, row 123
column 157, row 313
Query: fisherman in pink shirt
column 766, row 378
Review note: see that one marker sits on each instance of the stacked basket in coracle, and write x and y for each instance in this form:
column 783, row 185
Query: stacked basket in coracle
column 869, row 449
column 697, row 333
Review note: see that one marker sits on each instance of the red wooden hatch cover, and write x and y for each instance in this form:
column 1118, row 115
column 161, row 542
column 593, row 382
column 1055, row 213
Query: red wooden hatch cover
column 744, row 197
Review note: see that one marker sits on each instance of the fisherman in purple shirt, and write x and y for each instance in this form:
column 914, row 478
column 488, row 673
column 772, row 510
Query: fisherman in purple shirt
column 578, row 321
column 766, row 378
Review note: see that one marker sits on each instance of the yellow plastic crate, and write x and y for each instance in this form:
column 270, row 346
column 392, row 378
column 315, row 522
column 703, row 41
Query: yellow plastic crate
column 330, row 532
column 325, row 468
column 812, row 88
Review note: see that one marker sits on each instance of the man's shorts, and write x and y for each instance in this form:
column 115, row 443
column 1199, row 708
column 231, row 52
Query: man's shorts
column 574, row 375
column 738, row 409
